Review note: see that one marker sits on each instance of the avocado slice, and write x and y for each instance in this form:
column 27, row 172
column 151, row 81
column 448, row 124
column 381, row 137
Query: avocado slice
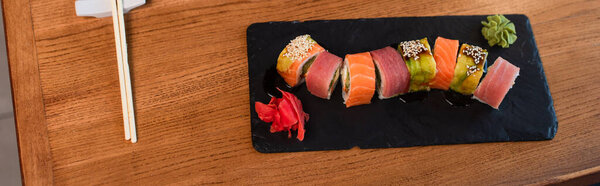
column 422, row 69
column 463, row 81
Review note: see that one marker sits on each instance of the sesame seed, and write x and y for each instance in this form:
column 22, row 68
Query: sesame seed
column 475, row 52
column 472, row 69
column 298, row 47
column 412, row 49
column 478, row 56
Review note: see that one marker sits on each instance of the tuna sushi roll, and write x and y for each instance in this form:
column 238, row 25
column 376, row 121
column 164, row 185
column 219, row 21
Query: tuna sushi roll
column 420, row 63
column 444, row 53
column 469, row 69
column 296, row 57
column 494, row 86
column 323, row 75
column 391, row 72
column 358, row 79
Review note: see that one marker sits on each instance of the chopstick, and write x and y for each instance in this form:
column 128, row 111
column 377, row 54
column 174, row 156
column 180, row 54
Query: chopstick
column 124, row 75
column 124, row 102
column 132, row 127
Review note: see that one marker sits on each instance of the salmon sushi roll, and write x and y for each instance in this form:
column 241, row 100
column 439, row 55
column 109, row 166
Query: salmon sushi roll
column 296, row 58
column 444, row 53
column 392, row 74
column 323, row 75
column 496, row 83
column 420, row 63
column 358, row 79
column 469, row 69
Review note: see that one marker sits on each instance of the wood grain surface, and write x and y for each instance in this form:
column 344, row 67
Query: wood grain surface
column 190, row 82
column 32, row 134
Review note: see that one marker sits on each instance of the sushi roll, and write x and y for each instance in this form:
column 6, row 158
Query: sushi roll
column 391, row 72
column 469, row 69
column 296, row 58
column 420, row 63
column 444, row 53
column 358, row 79
column 323, row 75
column 496, row 83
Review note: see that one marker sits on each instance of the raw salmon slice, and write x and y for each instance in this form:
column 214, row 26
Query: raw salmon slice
column 495, row 85
column 444, row 53
column 358, row 78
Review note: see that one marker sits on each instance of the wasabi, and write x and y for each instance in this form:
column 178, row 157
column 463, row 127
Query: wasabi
column 499, row 31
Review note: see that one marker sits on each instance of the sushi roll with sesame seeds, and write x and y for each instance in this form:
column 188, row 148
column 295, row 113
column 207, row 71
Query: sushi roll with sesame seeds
column 420, row 63
column 295, row 59
column 469, row 69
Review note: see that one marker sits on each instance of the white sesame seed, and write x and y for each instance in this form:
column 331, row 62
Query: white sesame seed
column 478, row 56
column 475, row 52
column 298, row 47
column 412, row 49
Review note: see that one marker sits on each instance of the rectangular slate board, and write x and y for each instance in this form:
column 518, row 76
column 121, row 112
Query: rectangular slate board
column 527, row 112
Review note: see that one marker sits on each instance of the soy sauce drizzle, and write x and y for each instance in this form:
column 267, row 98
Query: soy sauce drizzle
column 272, row 81
column 456, row 99
column 413, row 96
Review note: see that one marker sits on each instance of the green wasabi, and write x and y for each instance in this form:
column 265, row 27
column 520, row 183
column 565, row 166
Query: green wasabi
column 498, row 30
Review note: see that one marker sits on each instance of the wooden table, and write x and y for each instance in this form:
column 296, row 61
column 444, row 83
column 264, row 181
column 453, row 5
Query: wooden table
column 189, row 68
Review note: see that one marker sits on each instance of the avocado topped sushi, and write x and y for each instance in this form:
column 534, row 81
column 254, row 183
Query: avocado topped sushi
column 295, row 59
column 420, row 63
column 469, row 69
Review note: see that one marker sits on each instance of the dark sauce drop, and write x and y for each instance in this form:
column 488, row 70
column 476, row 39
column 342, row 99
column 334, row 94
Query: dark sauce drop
column 457, row 99
column 272, row 81
column 394, row 45
column 414, row 96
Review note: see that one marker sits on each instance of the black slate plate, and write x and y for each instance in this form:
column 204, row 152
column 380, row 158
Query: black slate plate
column 527, row 112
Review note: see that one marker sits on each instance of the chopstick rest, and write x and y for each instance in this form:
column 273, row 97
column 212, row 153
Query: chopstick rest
column 103, row 8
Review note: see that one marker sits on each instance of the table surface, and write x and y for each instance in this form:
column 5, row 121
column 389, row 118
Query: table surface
column 189, row 68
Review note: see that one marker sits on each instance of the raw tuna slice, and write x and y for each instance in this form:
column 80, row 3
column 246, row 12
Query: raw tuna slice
column 392, row 74
column 323, row 74
column 499, row 79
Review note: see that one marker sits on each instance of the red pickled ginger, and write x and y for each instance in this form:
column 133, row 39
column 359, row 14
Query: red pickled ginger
column 285, row 113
